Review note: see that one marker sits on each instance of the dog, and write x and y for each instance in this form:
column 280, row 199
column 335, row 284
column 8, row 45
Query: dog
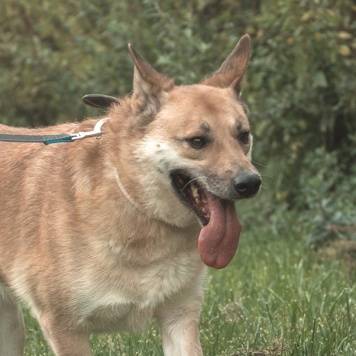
column 103, row 234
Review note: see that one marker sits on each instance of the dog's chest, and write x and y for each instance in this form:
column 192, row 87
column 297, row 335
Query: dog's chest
column 128, row 299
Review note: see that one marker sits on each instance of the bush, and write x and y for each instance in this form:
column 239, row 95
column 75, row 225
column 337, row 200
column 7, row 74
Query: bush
column 303, row 87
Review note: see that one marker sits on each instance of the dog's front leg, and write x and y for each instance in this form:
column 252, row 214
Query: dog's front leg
column 179, row 325
column 65, row 341
column 180, row 332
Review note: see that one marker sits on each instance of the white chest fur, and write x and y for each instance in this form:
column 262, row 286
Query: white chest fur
column 127, row 298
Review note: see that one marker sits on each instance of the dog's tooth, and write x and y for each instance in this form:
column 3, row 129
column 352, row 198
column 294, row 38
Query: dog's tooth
column 195, row 193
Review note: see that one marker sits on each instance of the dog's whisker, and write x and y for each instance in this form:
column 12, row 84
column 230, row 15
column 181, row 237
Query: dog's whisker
column 267, row 176
column 265, row 187
column 186, row 185
column 259, row 164
column 153, row 179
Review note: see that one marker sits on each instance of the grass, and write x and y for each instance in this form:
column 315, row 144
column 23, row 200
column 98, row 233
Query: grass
column 277, row 297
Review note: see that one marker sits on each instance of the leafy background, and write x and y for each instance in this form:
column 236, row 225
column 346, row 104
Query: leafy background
column 300, row 85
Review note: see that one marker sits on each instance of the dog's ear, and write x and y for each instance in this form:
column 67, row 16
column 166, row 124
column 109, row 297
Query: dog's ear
column 100, row 101
column 149, row 87
column 231, row 72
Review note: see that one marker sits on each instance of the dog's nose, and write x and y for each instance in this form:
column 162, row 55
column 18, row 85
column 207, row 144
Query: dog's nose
column 247, row 184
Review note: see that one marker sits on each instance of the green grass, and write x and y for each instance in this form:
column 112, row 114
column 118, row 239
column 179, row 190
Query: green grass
column 276, row 298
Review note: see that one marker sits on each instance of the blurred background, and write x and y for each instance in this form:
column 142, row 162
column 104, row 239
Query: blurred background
column 300, row 85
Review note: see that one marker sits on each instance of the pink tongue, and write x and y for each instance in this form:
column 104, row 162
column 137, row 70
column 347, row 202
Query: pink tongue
column 219, row 239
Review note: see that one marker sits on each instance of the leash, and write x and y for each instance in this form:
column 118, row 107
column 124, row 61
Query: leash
column 96, row 100
column 49, row 139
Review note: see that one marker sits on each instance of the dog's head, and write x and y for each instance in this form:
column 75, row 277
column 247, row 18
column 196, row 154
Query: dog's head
column 196, row 151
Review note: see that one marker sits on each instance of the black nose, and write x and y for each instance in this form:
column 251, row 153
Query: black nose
column 247, row 184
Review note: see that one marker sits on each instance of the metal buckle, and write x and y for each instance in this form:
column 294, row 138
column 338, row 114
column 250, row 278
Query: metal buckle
column 96, row 132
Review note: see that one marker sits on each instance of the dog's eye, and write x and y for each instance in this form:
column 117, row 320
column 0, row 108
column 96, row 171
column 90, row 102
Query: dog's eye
column 197, row 142
column 244, row 137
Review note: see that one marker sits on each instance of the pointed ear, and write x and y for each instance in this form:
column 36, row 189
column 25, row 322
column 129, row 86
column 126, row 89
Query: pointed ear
column 231, row 72
column 149, row 87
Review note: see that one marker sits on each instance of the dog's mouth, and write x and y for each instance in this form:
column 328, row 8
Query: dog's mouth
column 192, row 194
column 219, row 236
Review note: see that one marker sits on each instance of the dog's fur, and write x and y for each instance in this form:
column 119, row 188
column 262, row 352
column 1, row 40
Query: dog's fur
column 94, row 237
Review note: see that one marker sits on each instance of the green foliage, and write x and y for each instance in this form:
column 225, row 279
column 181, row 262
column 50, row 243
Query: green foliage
column 304, row 104
column 53, row 53
column 328, row 196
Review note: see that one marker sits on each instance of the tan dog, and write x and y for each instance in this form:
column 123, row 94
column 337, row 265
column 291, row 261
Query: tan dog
column 101, row 235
